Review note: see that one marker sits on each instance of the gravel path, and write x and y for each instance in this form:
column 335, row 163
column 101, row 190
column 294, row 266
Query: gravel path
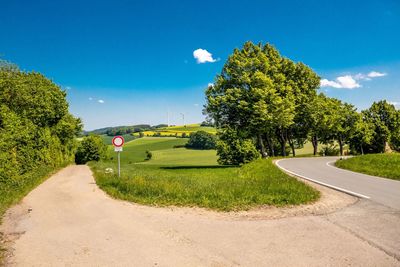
column 69, row 221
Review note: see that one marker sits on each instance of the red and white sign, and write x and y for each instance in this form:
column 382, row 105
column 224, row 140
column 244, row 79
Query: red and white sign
column 118, row 141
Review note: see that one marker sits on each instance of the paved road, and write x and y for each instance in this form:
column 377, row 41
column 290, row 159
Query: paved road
column 380, row 190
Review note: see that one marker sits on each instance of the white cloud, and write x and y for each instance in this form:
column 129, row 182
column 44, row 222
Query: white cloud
column 345, row 82
column 90, row 98
column 210, row 85
column 394, row 103
column 196, row 105
column 361, row 76
column 101, row 101
column 351, row 81
column 203, row 56
column 374, row 74
column 68, row 88
column 348, row 82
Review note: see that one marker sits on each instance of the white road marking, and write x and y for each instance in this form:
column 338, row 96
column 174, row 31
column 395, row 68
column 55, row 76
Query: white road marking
column 322, row 183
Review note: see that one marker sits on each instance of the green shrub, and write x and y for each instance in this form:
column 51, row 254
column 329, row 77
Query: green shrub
column 149, row 155
column 329, row 150
column 234, row 150
column 91, row 148
column 201, row 140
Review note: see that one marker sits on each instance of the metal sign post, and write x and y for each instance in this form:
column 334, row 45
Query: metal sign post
column 119, row 164
column 118, row 142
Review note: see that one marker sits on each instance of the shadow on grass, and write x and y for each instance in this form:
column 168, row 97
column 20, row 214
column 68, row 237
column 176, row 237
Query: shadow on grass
column 198, row 167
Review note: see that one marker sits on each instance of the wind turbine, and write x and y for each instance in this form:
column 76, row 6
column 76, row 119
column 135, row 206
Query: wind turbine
column 168, row 117
column 183, row 118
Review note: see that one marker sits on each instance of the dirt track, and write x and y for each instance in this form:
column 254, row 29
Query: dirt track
column 69, row 221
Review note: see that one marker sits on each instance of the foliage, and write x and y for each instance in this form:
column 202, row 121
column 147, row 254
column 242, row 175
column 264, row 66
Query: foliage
column 273, row 102
column 201, row 140
column 149, row 155
column 90, row 148
column 235, row 150
column 384, row 119
column 262, row 96
column 329, row 150
column 37, row 133
column 383, row 165
column 192, row 180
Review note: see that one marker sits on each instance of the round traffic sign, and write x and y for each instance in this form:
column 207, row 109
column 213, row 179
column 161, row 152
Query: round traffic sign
column 118, row 141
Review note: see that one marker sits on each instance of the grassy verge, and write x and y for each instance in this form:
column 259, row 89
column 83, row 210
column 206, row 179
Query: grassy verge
column 383, row 165
column 183, row 177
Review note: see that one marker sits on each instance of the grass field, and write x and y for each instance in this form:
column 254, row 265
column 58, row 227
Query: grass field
column 383, row 165
column 183, row 177
column 107, row 139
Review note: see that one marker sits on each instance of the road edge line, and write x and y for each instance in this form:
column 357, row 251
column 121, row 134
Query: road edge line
column 321, row 183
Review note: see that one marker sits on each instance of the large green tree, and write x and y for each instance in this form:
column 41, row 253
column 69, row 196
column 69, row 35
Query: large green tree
column 259, row 93
column 386, row 123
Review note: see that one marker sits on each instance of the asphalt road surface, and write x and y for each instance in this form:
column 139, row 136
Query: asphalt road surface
column 323, row 171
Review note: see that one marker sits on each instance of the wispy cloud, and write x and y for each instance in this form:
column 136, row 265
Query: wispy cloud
column 90, row 98
column 203, row 56
column 101, row 101
column 374, row 74
column 351, row 81
column 196, row 105
column 394, row 103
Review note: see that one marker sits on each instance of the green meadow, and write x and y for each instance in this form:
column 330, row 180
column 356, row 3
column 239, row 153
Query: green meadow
column 383, row 165
column 184, row 177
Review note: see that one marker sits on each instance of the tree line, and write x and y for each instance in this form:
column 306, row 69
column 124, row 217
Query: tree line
column 264, row 104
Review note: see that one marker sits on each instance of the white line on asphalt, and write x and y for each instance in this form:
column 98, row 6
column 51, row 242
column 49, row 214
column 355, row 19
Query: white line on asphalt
column 321, row 183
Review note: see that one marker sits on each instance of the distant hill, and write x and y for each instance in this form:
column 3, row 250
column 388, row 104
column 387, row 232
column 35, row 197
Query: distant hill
column 122, row 130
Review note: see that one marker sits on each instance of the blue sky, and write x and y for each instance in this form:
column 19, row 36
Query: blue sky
column 128, row 62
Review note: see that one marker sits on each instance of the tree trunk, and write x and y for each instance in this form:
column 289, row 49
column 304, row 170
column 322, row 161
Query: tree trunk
column 291, row 143
column 264, row 154
column 270, row 146
column 282, row 140
column 362, row 150
column 314, row 141
column 283, row 146
column 341, row 145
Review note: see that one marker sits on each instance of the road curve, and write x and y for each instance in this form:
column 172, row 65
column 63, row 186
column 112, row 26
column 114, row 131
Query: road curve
column 323, row 171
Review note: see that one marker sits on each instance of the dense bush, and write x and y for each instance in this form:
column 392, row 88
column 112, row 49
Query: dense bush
column 235, row 150
column 91, row 148
column 35, row 126
column 37, row 133
column 149, row 155
column 201, row 140
column 329, row 150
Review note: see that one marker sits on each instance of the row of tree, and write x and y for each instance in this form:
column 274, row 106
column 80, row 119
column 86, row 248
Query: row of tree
column 263, row 101
column 36, row 128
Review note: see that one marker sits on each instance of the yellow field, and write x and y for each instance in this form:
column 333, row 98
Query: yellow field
column 179, row 130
